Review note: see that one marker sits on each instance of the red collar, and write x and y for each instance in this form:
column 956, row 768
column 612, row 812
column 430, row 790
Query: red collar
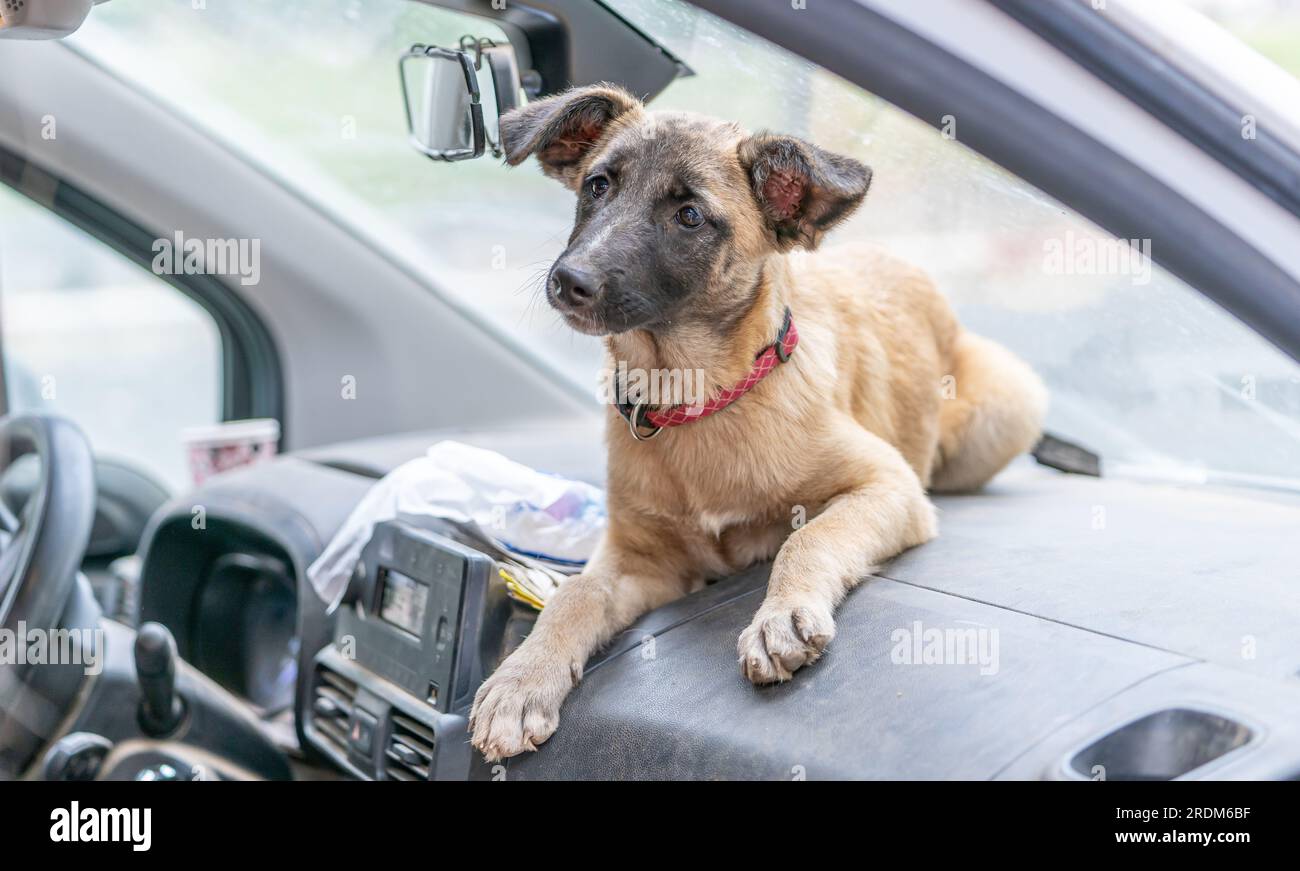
column 639, row 417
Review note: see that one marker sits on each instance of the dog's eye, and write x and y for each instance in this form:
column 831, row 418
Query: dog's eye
column 689, row 216
column 598, row 186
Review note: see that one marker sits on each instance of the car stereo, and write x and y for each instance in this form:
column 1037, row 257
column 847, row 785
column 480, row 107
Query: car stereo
column 424, row 620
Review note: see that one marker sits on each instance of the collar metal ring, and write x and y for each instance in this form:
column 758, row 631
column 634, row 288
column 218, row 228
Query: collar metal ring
column 632, row 424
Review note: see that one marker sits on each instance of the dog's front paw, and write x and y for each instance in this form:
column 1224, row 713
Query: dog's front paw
column 518, row 707
column 782, row 639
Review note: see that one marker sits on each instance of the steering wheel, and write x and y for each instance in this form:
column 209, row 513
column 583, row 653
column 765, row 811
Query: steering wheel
column 41, row 548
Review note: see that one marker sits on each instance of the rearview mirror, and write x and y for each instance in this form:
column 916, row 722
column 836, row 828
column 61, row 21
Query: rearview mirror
column 454, row 97
column 444, row 108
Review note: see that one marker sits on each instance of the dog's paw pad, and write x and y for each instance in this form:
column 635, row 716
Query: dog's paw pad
column 782, row 640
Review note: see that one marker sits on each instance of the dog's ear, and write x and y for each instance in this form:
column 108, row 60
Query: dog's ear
column 802, row 190
column 561, row 129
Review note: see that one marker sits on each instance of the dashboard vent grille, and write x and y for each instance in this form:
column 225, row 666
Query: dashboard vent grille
column 332, row 707
column 410, row 750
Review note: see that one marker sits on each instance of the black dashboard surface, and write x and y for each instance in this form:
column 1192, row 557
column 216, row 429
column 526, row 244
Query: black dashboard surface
column 1103, row 599
column 1168, row 598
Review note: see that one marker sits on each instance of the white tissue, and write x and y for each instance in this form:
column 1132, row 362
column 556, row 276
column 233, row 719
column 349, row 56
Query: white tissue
column 520, row 509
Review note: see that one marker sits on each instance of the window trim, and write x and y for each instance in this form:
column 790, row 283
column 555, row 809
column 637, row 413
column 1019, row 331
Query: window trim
column 252, row 380
column 1161, row 87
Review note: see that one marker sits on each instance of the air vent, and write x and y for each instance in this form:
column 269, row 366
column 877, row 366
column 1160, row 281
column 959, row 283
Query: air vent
column 331, row 707
column 410, row 750
column 1164, row 745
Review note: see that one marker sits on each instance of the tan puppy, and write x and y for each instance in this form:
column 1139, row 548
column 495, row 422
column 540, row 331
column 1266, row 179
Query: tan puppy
column 689, row 244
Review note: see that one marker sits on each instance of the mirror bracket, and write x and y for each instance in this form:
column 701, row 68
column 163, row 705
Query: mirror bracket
column 473, row 56
column 467, row 65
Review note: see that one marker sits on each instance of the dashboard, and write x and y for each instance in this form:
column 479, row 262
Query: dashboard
column 380, row 687
column 1104, row 640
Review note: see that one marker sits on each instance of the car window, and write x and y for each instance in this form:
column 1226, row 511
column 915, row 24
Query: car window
column 1142, row 369
column 1270, row 27
column 91, row 336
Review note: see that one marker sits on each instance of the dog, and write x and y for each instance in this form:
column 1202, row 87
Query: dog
column 693, row 249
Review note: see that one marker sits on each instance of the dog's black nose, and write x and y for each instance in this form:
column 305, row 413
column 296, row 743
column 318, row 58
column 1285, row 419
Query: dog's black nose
column 575, row 288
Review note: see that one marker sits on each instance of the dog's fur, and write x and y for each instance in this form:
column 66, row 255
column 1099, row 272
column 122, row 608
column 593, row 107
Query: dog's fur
column 885, row 395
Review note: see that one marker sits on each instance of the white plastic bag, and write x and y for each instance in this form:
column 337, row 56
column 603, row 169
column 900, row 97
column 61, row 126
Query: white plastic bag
column 539, row 516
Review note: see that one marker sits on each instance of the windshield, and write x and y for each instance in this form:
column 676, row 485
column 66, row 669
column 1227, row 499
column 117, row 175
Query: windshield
column 1269, row 29
column 1142, row 369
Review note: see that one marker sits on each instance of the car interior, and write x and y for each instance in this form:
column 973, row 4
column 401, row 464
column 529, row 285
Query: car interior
column 1128, row 594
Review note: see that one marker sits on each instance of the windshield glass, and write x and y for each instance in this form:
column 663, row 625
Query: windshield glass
column 1142, row 369
column 1269, row 27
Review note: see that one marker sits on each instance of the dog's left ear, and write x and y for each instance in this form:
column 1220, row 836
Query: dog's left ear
column 802, row 190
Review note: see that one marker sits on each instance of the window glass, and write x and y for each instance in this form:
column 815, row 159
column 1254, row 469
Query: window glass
column 1142, row 369
column 1270, row 27
column 95, row 338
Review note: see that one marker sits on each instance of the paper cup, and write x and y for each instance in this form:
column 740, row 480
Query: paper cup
column 224, row 446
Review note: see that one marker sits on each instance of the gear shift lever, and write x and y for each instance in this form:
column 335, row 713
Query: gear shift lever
column 155, row 669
